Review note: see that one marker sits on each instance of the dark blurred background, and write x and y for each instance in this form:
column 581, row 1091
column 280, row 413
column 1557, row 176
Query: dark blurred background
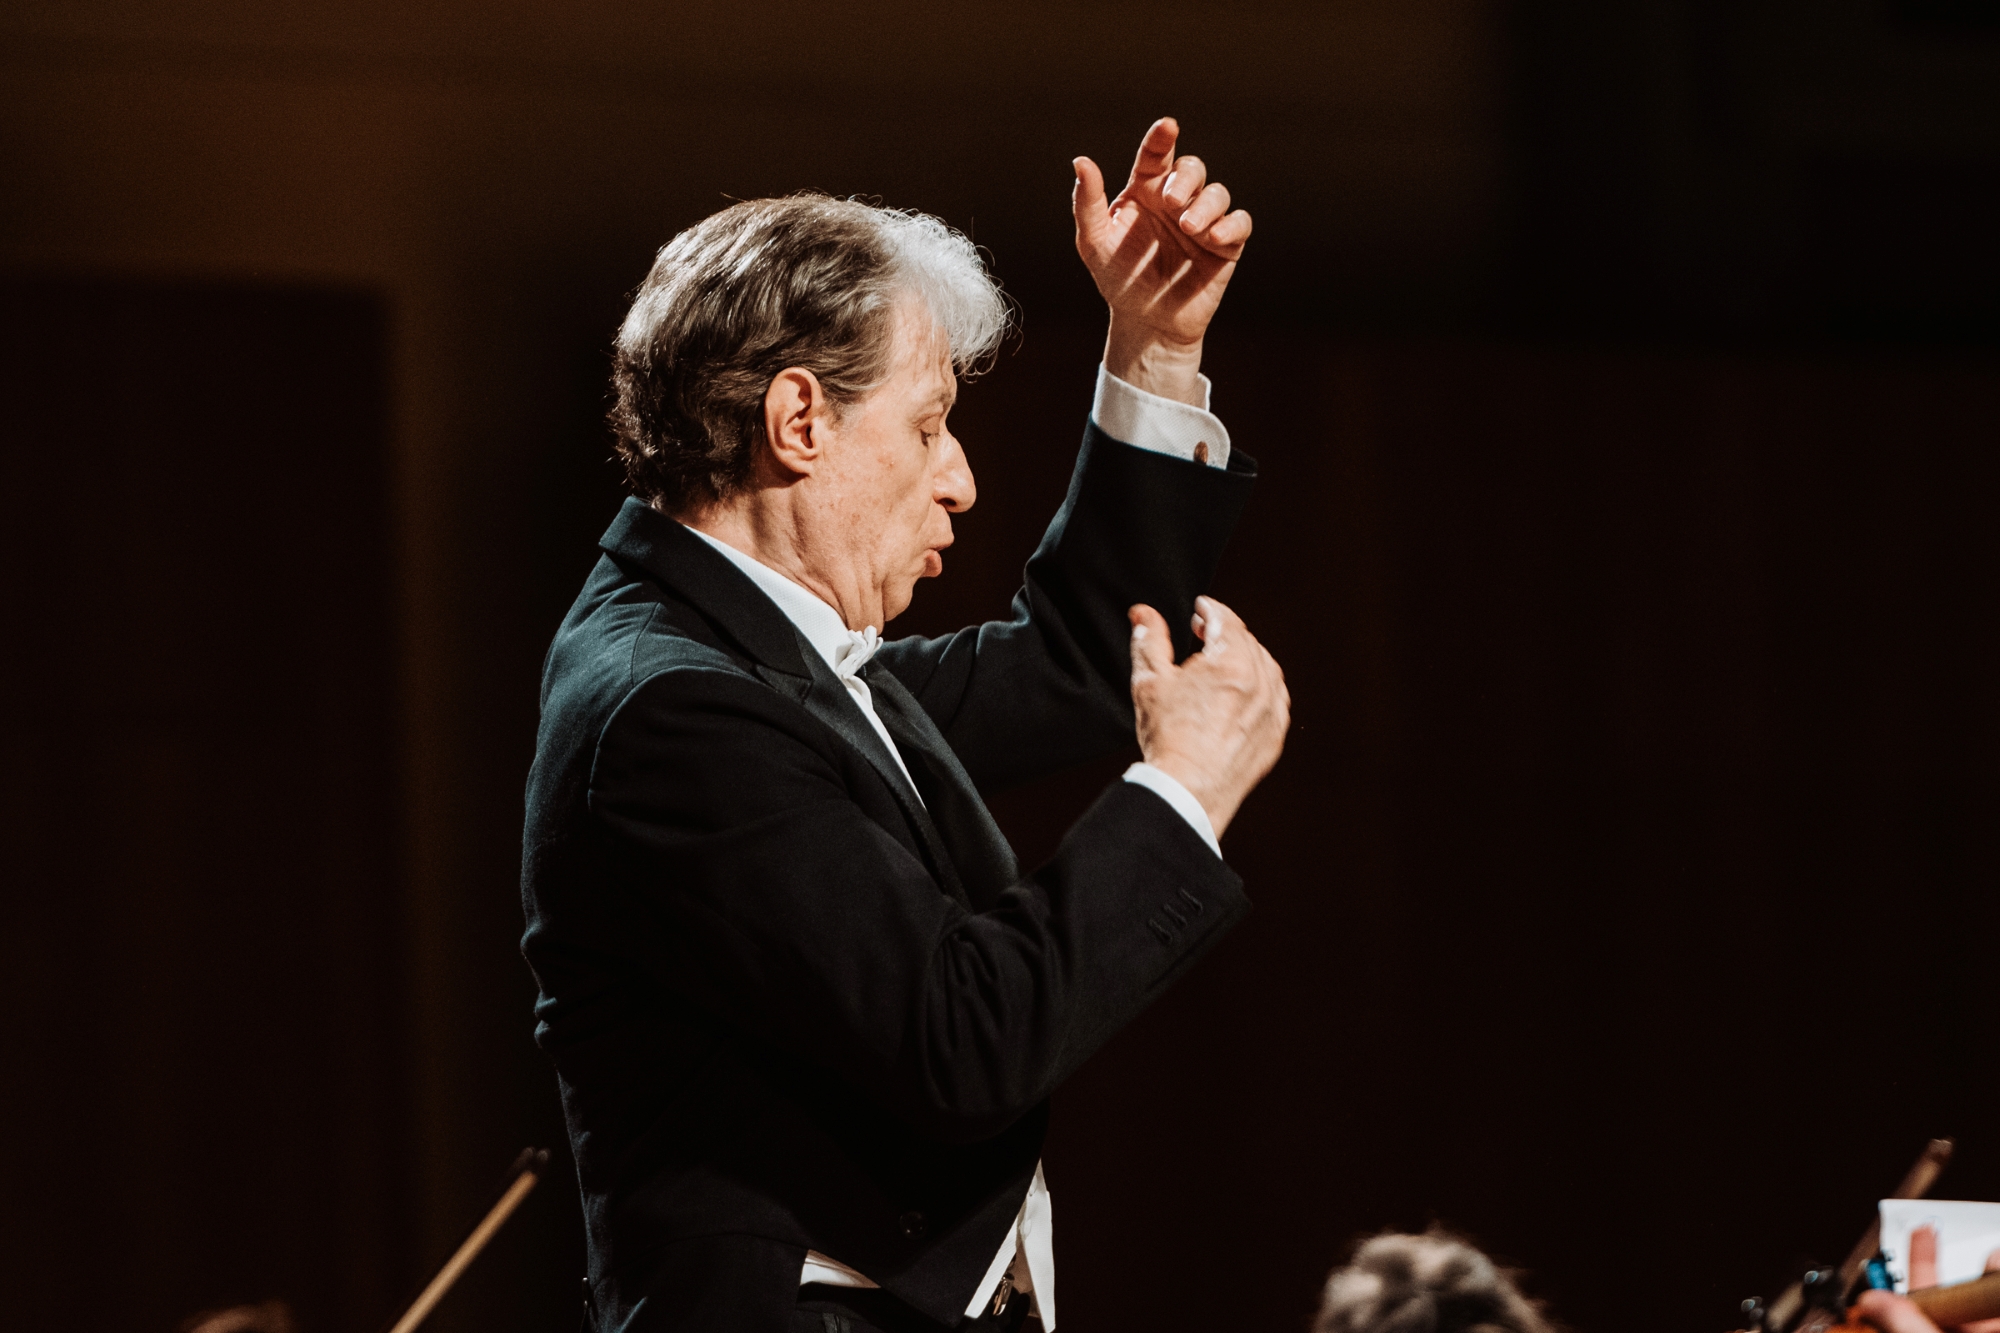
column 1626, row 384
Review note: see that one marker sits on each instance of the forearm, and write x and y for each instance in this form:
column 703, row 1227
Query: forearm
column 956, row 1023
column 767, row 895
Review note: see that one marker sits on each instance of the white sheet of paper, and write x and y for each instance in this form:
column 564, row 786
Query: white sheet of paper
column 1967, row 1233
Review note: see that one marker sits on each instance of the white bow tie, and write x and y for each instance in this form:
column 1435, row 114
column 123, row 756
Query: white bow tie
column 861, row 645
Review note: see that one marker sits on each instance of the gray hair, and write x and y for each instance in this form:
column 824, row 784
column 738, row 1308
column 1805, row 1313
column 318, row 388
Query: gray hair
column 1433, row 1283
column 768, row 284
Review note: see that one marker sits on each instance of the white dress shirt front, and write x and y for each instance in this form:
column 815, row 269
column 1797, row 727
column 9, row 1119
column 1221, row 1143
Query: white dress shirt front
column 1026, row 1258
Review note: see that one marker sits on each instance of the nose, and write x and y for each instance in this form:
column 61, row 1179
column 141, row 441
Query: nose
column 953, row 485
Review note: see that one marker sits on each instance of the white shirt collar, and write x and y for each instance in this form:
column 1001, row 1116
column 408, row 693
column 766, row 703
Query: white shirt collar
column 845, row 650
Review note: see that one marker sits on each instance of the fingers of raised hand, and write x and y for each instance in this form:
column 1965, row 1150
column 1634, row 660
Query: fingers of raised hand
column 1225, row 235
column 1184, row 182
column 1206, row 210
column 1087, row 202
column 1156, row 150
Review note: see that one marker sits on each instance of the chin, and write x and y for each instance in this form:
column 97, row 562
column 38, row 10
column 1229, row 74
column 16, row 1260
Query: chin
column 896, row 598
column 895, row 601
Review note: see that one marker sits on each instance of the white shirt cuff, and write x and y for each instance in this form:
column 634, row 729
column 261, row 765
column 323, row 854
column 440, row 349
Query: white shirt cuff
column 1169, row 789
column 1161, row 425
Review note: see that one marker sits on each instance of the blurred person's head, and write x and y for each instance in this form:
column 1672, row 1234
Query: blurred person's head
column 1430, row 1283
column 795, row 359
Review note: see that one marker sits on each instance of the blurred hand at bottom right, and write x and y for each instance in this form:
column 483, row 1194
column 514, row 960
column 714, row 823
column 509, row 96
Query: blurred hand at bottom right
column 1898, row 1314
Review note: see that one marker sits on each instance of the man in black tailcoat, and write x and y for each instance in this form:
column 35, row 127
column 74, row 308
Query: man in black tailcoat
column 805, row 1007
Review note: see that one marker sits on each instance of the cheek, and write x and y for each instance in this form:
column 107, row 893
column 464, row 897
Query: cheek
column 877, row 494
column 913, row 498
column 895, row 499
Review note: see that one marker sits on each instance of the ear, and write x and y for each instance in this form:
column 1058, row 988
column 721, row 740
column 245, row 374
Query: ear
column 795, row 413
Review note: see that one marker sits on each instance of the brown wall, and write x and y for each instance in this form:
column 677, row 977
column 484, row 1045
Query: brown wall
column 207, row 1095
column 1563, row 595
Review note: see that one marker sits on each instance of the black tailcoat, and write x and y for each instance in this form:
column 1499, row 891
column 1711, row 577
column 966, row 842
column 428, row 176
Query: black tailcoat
column 792, row 1007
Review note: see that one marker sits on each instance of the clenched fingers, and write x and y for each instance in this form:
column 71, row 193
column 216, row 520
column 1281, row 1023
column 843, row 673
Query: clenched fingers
column 1222, row 631
column 1206, row 210
column 1184, row 182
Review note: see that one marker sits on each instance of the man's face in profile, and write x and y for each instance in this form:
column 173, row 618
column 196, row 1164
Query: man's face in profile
column 895, row 472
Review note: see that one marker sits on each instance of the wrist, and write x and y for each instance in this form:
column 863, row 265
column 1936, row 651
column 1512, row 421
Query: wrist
column 1216, row 805
column 1157, row 365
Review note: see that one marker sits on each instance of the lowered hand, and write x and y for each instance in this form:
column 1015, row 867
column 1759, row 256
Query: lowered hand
column 1217, row 721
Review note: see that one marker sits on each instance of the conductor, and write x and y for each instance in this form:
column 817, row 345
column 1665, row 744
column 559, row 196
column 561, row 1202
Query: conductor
column 805, row 1008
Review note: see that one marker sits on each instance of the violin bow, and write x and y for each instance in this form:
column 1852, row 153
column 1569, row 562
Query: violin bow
column 521, row 1178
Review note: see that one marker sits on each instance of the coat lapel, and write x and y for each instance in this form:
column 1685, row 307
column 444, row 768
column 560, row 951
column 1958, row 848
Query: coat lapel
column 984, row 857
column 676, row 558
column 828, row 700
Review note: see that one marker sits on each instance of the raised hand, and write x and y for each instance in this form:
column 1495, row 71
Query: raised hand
column 1162, row 254
column 1217, row 721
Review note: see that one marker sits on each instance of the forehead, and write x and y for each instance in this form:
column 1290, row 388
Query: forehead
column 920, row 373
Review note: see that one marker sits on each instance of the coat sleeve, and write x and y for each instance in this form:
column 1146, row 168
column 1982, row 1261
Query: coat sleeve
column 777, row 903
column 1049, row 686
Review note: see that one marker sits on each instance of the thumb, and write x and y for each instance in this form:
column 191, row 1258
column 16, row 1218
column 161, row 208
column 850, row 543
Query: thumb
column 1152, row 647
column 1087, row 203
